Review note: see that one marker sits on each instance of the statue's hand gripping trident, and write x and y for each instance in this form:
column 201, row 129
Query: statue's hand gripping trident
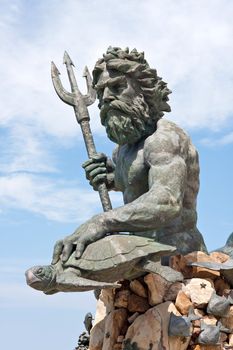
column 79, row 103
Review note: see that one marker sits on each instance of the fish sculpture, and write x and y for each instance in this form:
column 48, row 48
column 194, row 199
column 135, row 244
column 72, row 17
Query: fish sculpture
column 179, row 326
column 210, row 334
column 219, row 305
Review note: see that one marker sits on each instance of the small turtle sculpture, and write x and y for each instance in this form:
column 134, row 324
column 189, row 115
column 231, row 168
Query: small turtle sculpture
column 179, row 326
column 219, row 305
column 103, row 263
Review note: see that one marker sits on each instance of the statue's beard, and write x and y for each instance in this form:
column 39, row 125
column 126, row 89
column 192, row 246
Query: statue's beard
column 127, row 122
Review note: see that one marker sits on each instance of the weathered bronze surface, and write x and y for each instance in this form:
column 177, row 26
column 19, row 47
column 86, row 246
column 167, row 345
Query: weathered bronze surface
column 102, row 263
column 80, row 103
column 155, row 164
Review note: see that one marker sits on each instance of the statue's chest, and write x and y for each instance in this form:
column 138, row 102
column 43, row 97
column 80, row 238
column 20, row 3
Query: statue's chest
column 131, row 172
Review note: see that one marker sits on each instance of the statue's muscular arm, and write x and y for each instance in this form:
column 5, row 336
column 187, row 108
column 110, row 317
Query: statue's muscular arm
column 164, row 154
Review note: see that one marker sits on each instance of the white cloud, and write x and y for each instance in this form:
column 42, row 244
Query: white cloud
column 57, row 200
column 218, row 141
column 24, row 151
column 190, row 44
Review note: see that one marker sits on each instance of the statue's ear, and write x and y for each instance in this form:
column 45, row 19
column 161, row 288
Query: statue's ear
column 72, row 283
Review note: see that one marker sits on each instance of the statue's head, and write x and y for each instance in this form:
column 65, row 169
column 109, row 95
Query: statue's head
column 41, row 278
column 132, row 98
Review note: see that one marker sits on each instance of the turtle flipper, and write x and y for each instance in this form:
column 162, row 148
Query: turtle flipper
column 73, row 283
column 166, row 272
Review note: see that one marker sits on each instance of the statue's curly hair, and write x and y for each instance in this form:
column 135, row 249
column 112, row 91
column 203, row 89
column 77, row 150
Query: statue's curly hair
column 133, row 63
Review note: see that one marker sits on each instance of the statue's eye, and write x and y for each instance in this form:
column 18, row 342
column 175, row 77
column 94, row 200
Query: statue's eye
column 40, row 270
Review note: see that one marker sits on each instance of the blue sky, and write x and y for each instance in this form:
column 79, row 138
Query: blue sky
column 43, row 192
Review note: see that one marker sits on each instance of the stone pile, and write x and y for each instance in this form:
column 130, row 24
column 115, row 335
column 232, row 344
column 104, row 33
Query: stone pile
column 150, row 313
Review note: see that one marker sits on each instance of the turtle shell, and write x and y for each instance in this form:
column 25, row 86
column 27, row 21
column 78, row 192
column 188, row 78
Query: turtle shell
column 116, row 250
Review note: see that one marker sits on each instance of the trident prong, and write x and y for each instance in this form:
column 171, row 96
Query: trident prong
column 91, row 93
column 80, row 103
column 64, row 95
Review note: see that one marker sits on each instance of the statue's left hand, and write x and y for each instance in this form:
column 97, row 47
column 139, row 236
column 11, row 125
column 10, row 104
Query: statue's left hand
column 87, row 233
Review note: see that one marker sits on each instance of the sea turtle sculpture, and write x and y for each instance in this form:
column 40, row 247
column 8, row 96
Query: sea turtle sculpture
column 103, row 263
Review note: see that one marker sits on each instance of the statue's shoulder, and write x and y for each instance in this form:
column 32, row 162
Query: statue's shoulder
column 169, row 127
column 168, row 137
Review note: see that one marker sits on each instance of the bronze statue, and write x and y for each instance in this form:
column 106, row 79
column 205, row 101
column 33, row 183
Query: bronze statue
column 155, row 164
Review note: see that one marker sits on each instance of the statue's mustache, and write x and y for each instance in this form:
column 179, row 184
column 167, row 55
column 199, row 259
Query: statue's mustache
column 116, row 105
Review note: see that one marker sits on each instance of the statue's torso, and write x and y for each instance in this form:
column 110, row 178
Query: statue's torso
column 131, row 178
column 131, row 174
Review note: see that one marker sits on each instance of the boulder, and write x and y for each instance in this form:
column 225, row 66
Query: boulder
column 183, row 303
column 149, row 331
column 115, row 325
column 138, row 288
column 199, row 291
column 137, row 303
column 157, row 286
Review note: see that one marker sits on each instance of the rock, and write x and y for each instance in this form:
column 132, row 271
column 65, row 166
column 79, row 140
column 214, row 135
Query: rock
column 231, row 339
column 197, row 323
column 149, row 331
column 183, row 303
column 97, row 336
column 115, row 322
column 138, row 288
column 121, row 298
column 196, row 330
column 157, row 286
column 117, row 346
column 107, row 297
column 137, row 304
column 219, row 257
column 207, row 347
column 100, row 313
column 104, row 304
column 199, row 312
column 221, row 286
column 210, row 319
column 199, row 291
column 227, row 320
column 120, row 339
column 172, row 291
column 181, row 263
column 201, row 272
column 223, row 337
column 132, row 318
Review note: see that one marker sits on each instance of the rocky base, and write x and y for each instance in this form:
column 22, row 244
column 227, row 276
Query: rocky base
column 150, row 313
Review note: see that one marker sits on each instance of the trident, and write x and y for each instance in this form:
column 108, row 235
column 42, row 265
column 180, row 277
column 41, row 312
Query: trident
column 80, row 103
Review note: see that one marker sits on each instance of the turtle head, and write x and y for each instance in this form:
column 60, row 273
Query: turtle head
column 42, row 278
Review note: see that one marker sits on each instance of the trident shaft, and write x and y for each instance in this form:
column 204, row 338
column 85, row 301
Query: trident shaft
column 80, row 103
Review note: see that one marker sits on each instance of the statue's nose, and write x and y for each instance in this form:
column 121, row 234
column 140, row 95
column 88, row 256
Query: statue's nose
column 108, row 95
